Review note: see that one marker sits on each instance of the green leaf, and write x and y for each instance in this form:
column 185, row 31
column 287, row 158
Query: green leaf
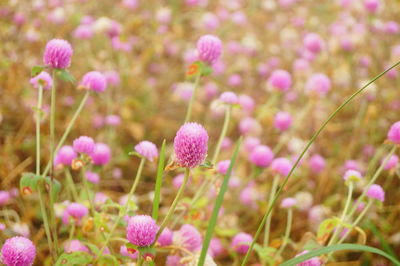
column 107, row 259
column 207, row 164
column 74, row 258
column 56, row 186
column 326, row 227
column 326, row 250
column 157, row 190
column 266, row 254
column 218, row 203
column 386, row 246
column 65, row 75
column 133, row 153
column 36, row 70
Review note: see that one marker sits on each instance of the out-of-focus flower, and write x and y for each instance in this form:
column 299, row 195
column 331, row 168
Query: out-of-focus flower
column 58, row 54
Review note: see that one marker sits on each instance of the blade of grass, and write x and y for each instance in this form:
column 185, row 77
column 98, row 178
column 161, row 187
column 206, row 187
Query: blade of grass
column 333, row 248
column 385, row 245
column 160, row 172
column 217, row 206
column 311, row 141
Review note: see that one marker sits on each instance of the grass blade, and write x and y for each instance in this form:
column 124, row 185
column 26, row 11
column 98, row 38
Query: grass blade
column 160, row 172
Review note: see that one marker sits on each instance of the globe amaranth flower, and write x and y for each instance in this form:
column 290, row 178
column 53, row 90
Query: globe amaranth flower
column 376, row 192
column 77, row 210
column 229, row 97
column 280, row 80
column 84, row 144
column 216, row 247
column 65, row 155
column 147, row 149
column 282, row 121
column 188, row 237
column 247, row 103
column 313, row 43
column 309, row 262
column 241, row 242
column 42, row 79
column 317, row 163
column 209, row 48
column 394, row 133
column 92, row 177
column 261, row 156
column 101, row 154
column 281, row 166
column 165, row 238
column 392, row 162
column 128, row 252
column 191, row 145
column 288, row 203
column 222, row 166
column 18, row 251
column 75, row 245
column 141, row 230
column 58, row 54
column 352, row 175
column 318, row 84
column 4, row 197
column 94, row 81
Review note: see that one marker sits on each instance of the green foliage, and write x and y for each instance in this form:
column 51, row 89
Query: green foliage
column 157, row 190
column 74, row 258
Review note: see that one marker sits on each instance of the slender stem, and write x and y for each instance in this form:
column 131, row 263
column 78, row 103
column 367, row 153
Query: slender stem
column 86, row 185
column 338, row 229
column 140, row 260
column 190, row 107
column 71, row 233
column 223, row 134
column 45, row 221
column 125, row 209
column 71, row 185
column 174, row 203
column 373, row 179
column 38, row 121
column 271, row 197
column 68, row 129
column 311, row 141
column 287, row 232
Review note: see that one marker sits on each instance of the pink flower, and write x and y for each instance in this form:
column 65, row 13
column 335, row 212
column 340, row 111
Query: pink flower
column 216, row 247
column 318, row 84
column 44, row 79
column 18, row 251
column 75, row 245
column 222, row 166
column 241, row 242
column 394, row 133
column 313, row 43
column 228, row 97
column 84, row 144
column 372, row 5
column 101, row 154
column 281, row 80
column 376, row 192
column 247, row 103
column 94, row 81
column 147, row 149
column 281, row 166
column 288, row 203
column 392, row 162
column 191, row 145
column 58, row 54
column 261, row 156
column 283, row 121
column 141, row 230
column 353, row 175
column 310, row 262
column 188, row 237
column 65, row 156
column 92, row 177
column 209, row 48
column 317, row 163
column 165, row 238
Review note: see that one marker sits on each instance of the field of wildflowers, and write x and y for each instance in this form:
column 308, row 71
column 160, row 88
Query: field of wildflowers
column 199, row 132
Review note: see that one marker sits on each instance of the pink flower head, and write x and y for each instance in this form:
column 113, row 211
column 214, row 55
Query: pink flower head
column 113, row 120
column 301, row 65
column 77, row 210
column 4, row 197
column 173, row 260
column 288, row 203
column 261, row 156
column 241, row 242
column 43, row 79
column 83, row 32
column 101, row 154
column 372, row 5
column 165, row 238
column 352, row 175
column 58, row 54
column 235, row 80
column 65, row 155
column 313, row 43
column 249, row 126
column 376, row 192
column 249, row 195
column 112, row 78
column 209, row 48
column 222, row 166
column 216, row 247
column 94, row 81
column 392, row 162
column 92, row 177
column 394, row 133
column 250, row 143
column 228, row 97
column 282, row 121
column 178, row 180
column 84, row 144
column 190, row 145
column 317, row 163
column 188, row 237
column 74, row 246
column 141, row 230
column 18, row 251
column 318, row 84
column 147, row 149
column 247, row 103
column 281, row 166
column 310, row 262
column 281, row 80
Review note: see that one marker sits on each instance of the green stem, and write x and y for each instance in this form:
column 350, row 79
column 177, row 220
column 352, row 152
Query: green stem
column 190, row 107
column 68, row 129
column 223, row 134
column 45, row 221
column 287, row 232
column 87, row 190
column 71, row 233
column 271, row 197
column 123, row 211
column 71, row 185
column 38, row 120
column 338, row 229
column 174, row 203
column 311, row 141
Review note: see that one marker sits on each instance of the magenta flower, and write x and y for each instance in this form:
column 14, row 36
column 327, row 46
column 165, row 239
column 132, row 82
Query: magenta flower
column 394, row 133
column 209, row 48
column 310, row 262
column 112, row 77
column 241, row 242
column 18, row 251
column 281, row 80
column 77, row 210
column 188, row 237
column 74, row 246
column 44, row 79
column 4, row 197
column 228, row 97
column 128, row 253
column 372, row 5
column 282, row 121
column 317, row 163
column 318, row 84
column 92, row 177
column 288, row 203
column 190, row 145
column 313, row 43
column 58, row 54
column 65, row 156
column 392, row 162
column 222, row 166
column 247, row 103
column 376, row 192
column 352, row 175
column 94, row 81
column 216, row 247
column 101, row 154
column 281, row 166
column 141, row 230
column 147, row 149
column 84, row 144
column 165, row 238
column 261, row 156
